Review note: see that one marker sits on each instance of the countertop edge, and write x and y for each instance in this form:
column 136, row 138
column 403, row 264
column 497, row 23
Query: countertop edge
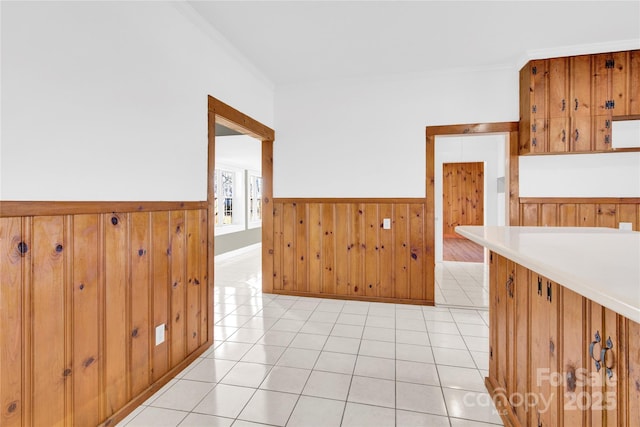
column 563, row 278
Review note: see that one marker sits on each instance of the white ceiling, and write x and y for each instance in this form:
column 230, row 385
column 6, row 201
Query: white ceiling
column 306, row 41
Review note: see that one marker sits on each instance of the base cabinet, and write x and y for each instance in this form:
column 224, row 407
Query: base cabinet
column 557, row 358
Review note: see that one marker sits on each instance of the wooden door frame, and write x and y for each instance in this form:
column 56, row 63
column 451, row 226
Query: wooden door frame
column 510, row 129
column 221, row 113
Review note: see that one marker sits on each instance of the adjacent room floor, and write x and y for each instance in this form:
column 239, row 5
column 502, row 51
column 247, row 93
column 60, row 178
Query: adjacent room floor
column 297, row 361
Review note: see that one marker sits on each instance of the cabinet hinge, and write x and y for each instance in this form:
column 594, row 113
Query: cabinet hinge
column 534, row 128
column 607, row 139
column 534, row 142
column 534, row 109
column 549, row 291
column 610, row 63
column 539, row 286
column 534, row 70
column 607, row 124
column 610, row 104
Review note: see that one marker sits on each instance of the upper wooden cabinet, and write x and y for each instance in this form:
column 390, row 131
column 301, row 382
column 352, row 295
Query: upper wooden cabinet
column 568, row 104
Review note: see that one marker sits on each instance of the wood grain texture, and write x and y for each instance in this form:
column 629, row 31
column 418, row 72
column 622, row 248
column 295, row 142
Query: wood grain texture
column 462, row 195
column 342, row 250
column 10, row 208
column 580, row 212
column 80, row 298
column 11, row 332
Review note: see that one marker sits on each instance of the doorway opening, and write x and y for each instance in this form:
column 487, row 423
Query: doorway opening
column 238, row 199
column 464, row 284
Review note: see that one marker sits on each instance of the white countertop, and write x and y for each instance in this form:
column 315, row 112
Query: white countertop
column 601, row 264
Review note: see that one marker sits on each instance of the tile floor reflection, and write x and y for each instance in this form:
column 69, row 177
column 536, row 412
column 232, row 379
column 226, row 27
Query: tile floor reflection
column 308, row 362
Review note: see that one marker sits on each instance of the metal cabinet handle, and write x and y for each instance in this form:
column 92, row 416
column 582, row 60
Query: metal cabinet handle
column 509, row 286
column 564, row 135
column 596, row 340
column 577, row 135
column 603, row 357
column 564, row 104
column 576, row 109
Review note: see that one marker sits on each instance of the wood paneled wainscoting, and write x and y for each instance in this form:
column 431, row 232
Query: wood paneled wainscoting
column 339, row 248
column 580, row 212
column 84, row 288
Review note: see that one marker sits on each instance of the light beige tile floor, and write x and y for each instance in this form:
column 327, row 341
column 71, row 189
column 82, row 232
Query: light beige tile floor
column 306, row 362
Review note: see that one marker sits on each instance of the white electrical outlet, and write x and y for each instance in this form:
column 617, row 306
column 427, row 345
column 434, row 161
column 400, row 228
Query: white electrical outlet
column 386, row 223
column 159, row 334
column 625, row 226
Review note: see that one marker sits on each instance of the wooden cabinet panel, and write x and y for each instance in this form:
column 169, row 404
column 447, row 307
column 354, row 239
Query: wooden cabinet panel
column 568, row 104
column 12, row 251
column 580, row 135
column 558, row 88
column 278, row 246
column 633, row 97
column 632, row 339
column 417, row 261
column 520, row 349
column 574, row 346
column 581, row 104
column 558, row 135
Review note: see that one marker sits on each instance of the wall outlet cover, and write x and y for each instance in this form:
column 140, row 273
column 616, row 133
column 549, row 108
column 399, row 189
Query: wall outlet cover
column 386, row 223
column 159, row 334
column 625, row 226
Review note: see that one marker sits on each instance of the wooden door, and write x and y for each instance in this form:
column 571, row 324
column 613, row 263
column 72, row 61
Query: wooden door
column 463, row 195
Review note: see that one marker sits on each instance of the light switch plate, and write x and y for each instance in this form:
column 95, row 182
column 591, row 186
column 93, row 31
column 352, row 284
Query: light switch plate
column 386, row 223
column 159, row 334
column 625, row 226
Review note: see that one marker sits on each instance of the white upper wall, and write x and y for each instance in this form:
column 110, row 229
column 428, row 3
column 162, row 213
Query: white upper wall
column 108, row 100
column 366, row 137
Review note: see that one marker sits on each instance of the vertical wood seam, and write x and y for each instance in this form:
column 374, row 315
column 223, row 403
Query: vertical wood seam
column 67, row 242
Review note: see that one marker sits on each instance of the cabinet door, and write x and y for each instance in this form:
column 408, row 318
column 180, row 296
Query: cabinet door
column 574, row 361
column 580, row 67
column 558, row 87
column 558, row 135
column 603, row 397
column 544, row 351
column 633, row 363
column 619, row 72
column 633, row 70
column 519, row 373
column 539, row 136
column 493, row 319
column 601, row 82
column 580, row 135
column 602, row 133
column 502, row 340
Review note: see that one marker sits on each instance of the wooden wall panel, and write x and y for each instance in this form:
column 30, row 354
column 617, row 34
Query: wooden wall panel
column 315, row 248
column 86, row 334
column 342, row 248
column 402, row 250
column 289, row 248
column 177, row 330
column 160, row 289
column 371, row 261
column 11, row 332
column 385, row 253
column 116, row 310
column 139, row 330
column 49, row 372
column 278, row 245
column 580, row 212
column 301, row 250
column 339, row 248
column 80, row 298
